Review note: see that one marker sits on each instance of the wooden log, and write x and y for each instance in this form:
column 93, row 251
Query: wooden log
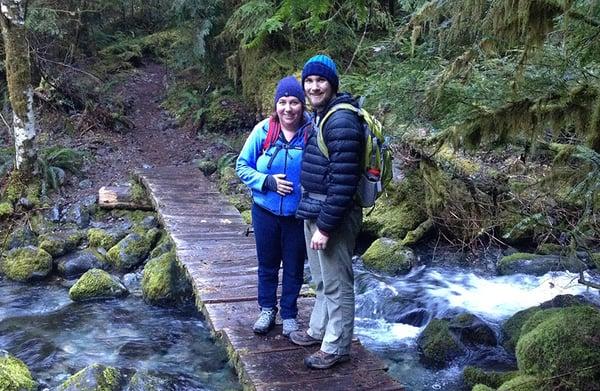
column 121, row 197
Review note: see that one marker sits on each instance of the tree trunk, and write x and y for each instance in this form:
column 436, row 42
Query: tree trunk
column 18, row 75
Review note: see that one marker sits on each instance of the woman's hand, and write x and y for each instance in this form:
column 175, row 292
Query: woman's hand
column 283, row 187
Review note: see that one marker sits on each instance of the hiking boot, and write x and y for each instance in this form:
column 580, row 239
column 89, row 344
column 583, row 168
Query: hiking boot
column 322, row 360
column 303, row 339
column 265, row 321
column 289, row 325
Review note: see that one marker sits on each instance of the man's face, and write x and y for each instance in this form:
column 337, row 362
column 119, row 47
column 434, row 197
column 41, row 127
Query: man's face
column 318, row 90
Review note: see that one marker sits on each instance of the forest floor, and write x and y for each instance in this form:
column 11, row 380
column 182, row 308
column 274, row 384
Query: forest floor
column 153, row 139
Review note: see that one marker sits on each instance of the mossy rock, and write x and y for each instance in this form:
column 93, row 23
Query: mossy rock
column 227, row 114
column 22, row 237
column 57, row 244
column 6, row 210
column 164, row 281
column 482, row 387
column 438, row 345
column 14, row 374
column 524, row 383
column 26, row 264
column 596, row 260
column 563, row 345
column 473, row 330
column 98, row 237
column 229, row 182
column 549, row 248
column 129, row 252
column 96, row 377
column 241, row 201
column 534, row 264
column 143, row 381
column 96, row 284
column 387, row 256
column 473, row 376
column 164, row 245
column 247, row 217
column 207, row 166
column 77, row 263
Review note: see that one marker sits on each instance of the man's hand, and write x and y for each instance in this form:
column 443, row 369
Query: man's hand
column 283, row 187
column 318, row 241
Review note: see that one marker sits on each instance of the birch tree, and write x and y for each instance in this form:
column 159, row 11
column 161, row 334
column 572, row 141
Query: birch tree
column 18, row 75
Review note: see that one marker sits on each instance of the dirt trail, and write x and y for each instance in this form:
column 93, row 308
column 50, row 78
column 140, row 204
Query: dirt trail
column 154, row 140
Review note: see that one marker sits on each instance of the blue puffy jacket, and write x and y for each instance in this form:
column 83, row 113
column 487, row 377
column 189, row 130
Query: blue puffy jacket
column 253, row 166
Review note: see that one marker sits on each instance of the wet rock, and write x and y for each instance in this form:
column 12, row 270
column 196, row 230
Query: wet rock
column 60, row 243
column 26, row 264
column 143, row 381
column 129, row 252
column 74, row 265
column 472, row 330
column 85, row 184
column 133, row 281
column 438, row 345
column 417, row 317
column 93, row 378
column 22, row 237
column 54, row 214
column 537, row 264
column 207, row 166
column 164, row 246
column 165, row 281
column 96, row 284
column 14, row 374
column 78, row 214
column 388, row 256
column 149, row 222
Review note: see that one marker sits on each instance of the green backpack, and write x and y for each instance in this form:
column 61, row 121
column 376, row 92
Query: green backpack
column 377, row 159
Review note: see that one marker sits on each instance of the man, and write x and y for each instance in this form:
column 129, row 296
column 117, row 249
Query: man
column 331, row 217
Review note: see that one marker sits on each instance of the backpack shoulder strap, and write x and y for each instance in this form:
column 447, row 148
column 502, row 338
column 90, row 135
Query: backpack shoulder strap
column 320, row 137
column 272, row 134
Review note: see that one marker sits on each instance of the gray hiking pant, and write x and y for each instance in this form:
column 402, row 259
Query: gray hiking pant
column 332, row 318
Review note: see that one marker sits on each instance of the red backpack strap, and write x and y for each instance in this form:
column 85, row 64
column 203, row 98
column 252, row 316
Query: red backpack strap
column 272, row 133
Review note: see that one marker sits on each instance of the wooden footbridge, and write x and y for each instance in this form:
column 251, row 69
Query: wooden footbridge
column 212, row 243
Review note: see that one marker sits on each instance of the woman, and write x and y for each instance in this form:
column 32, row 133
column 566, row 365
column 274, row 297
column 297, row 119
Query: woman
column 269, row 164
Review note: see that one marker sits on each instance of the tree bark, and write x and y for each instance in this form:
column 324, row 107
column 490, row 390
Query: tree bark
column 20, row 90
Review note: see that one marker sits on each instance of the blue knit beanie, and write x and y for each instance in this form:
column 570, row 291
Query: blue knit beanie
column 321, row 65
column 289, row 86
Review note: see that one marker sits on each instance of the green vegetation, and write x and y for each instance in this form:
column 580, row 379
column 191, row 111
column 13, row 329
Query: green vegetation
column 388, row 256
column 26, row 263
column 14, row 374
column 93, row 378
column 96, row 284
column 164, row 280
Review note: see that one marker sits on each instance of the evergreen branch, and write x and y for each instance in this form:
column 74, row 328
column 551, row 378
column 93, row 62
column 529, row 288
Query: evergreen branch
column 584, row 18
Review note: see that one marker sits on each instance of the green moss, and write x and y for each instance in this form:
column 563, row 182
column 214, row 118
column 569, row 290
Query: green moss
column 96, row 284
column 460, row 163
column 473, row 376
column 138, row 194
column 207, row 166
column 562, row 345
column 482, row 387
column 6, row 209
column 512, row 327
column 596, row 260
column 523, row 383
column 549, row 248
column 26, row 263
column 98, row 237
column 242, row 202
column 93, row 378
column 14, row 375
column 164, row 280
column 438, row 345
column 129, row 252
column 247, row 217
column 386, row 255
column 59, row 244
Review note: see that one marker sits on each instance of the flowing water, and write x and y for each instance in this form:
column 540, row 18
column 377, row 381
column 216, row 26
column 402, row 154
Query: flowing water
column 391, row 312
column 56, row 337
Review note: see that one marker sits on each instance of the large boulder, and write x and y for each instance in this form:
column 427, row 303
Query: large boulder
column 472, row 330
column 14, row 374
column 562, row 346
column 21, row 237
column 60, row 243
column 130, row 252
column 96, row 377
column 96, row 284
column 388, row 256
column 537, row 264
column 164, row 280
column 438, row 345
column 26, row 264
column 473, row 376
column 75, row 264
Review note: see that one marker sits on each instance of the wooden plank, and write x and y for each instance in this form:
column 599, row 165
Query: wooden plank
column 213, row 244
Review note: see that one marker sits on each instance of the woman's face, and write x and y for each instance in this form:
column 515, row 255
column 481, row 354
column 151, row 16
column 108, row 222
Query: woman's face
column 289, row 111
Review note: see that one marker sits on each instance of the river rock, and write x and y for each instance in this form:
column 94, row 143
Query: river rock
column 75, row 264
column 472, row 330
column 556, row 344
column 60, row 243
column 164, row 246
column 388, row 256
column 96, row 377
column 22, row 237
column 129, row 252
column 164, row 280
column 473, row 376
column 207, row 166
column 105, row 238
column 26, row 264
column 438, row 345
column 537, row 264
column 143, row 381
column 417, row 317
column 78, row 214
column 96, row 284
column 14, row 374
column 149, row 222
